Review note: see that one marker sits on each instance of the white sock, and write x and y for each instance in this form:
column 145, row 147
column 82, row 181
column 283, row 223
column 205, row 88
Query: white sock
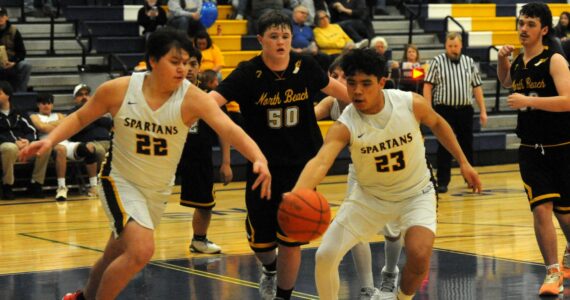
column 93, row 181
column 553, row 266
column 363, row 263
column 392, row 250
column 61, row 182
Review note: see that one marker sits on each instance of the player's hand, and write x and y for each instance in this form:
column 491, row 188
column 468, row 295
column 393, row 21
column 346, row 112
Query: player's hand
column 483, row 118
column 263, row 178
column 506, row 51
column 472, row 177
column 517, row 101
column 226, row 174
column 36, row 148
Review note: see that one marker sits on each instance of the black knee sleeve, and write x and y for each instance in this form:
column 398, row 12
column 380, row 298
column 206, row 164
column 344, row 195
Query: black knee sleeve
column 83, row 152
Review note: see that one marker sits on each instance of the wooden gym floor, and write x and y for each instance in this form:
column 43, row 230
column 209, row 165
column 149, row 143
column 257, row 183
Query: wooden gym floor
column 485, row 248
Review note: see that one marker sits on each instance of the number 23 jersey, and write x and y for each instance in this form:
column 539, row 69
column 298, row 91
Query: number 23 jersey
column 389, row 162
column 147, row 144
column 277, row 107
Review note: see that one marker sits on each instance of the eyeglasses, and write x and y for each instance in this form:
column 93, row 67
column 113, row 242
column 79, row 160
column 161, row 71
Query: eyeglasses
column 323, row 17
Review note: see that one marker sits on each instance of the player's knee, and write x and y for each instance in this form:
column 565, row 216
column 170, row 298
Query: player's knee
column 141, row 256
column 325, row 257
column 84, row 152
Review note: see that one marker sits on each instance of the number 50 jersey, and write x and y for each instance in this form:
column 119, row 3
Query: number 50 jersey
column 390, row 162
column 147, row 144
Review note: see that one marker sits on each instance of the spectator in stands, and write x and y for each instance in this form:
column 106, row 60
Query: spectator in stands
column 451, row 82
column 212, row 57
column 239, row 8
column 562, row 29
column 208, row 80
column 260, row 7
column 312, row 6
column 353, row 17
column 13, row 68
column 151, row 16
column 96, row 136
column 331, row 36
column 381, row 46
column 303, row 38
column 185, row 15
column 410, row 61
column 16, row 132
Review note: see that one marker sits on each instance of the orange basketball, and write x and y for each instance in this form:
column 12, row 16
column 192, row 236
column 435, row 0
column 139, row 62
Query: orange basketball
column 304, row 215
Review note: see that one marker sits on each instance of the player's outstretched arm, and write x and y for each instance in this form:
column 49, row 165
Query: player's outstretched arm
column 198, row 104
column 337, row 90
column 427, row 116
column 323, row 108
column 316, row 169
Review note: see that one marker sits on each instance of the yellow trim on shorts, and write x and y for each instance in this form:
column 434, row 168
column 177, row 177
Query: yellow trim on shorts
column 262, row 245
column 562, row 208
column 546, row 146
column 286, row 239
column 188, row 202
column 545, row 196
column 118, row 198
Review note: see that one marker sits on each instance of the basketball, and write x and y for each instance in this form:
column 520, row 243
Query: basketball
column 304, row 215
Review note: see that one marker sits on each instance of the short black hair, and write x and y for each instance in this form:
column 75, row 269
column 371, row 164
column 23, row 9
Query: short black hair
column 163, row 40
column 335, row 64
column 203, row 35
column 45, row 98
column 366, row 61
column 6, row 88
column 273, row 18
column 206, row 77
column 541, row 11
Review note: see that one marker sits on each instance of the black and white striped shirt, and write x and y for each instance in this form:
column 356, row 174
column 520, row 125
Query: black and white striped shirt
column 452, row 82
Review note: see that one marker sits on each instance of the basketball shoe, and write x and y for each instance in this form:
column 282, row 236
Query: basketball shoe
column 206, row 246
column 267, row 284
column 369, row 294
column 566, row 263
column 78, row 295
column 388, row 284
column 552, row 284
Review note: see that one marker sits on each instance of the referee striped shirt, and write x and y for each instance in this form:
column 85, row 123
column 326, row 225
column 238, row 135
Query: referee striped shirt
column 452, row 82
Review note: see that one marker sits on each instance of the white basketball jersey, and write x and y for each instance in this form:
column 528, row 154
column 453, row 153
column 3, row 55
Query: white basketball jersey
column 147, row 144
column 335, row 110
column 389, row 163
column 46, row 119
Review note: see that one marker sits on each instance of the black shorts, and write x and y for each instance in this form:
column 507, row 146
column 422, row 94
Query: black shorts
column 545, row 172
column 197, row 184
column 263, row 232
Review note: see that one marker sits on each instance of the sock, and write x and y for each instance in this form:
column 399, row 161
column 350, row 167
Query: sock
column 61, row 182
column 392, row 250
column 567, row 250
column 201, row 238
column 93, row 181
column 402, row 296
column 553, row 266
column 285, row 294
column 272, row 267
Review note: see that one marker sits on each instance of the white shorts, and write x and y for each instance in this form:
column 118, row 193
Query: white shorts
column 70, row 148
column 364, row 220
column 123, row 200
column 392, row 228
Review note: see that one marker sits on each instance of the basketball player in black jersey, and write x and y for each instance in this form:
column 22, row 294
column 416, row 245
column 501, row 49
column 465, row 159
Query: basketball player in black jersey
column 276, row 91
column 540, row 80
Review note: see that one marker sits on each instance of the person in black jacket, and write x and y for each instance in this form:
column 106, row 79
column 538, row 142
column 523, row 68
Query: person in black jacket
column 151, row 16
column 13, row 68
column 16, row 132
column 96, row 136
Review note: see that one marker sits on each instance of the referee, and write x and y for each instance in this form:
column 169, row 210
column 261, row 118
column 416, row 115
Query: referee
column 451, row 80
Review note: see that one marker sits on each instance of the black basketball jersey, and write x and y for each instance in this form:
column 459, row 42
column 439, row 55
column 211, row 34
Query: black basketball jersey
column 199, row 142
column 533, row 79
column 277, row 107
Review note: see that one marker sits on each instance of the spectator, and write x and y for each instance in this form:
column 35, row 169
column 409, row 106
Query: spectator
column 410, row 61
column 239, row 8
column 16, row 132
column 331, row 36
column 151, row 16
column 304, row 39
column 185, row 16
column 261, row 7
column 562, row 30
column 381, row 46
column 208, row 80
column 312, row 6
column 15, row 69
column 212, row 57
column 96, row 136
column 353, row 17
column 451, row 81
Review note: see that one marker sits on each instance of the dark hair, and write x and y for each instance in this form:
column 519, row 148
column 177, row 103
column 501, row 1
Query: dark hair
column 148, row 7
column 408, row 46
column 273, row 18
column 367, row 61
column 6, row 88
column 203, row 35
column 45, row 98
column 317, row 19
column 163, row 40
column 541, row 11
column 335, row 64
column 206, row 77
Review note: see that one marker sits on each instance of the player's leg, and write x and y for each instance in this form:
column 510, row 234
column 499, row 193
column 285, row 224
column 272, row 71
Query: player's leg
column 60, row 171
column 363, row 262
column 392, row 249
column 87, row 152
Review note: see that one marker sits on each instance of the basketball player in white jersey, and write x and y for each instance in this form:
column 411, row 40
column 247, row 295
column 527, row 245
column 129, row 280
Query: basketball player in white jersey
column 393, row 183
column 152, row 113
column 332, row 107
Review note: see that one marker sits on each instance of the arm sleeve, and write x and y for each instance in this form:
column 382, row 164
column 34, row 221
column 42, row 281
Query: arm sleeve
column 319, row 77
column 218, row 56
column 431, row 76
column 476, row 78
column 19, row 47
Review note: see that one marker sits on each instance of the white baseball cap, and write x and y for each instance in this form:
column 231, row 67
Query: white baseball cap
column 79, row 87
